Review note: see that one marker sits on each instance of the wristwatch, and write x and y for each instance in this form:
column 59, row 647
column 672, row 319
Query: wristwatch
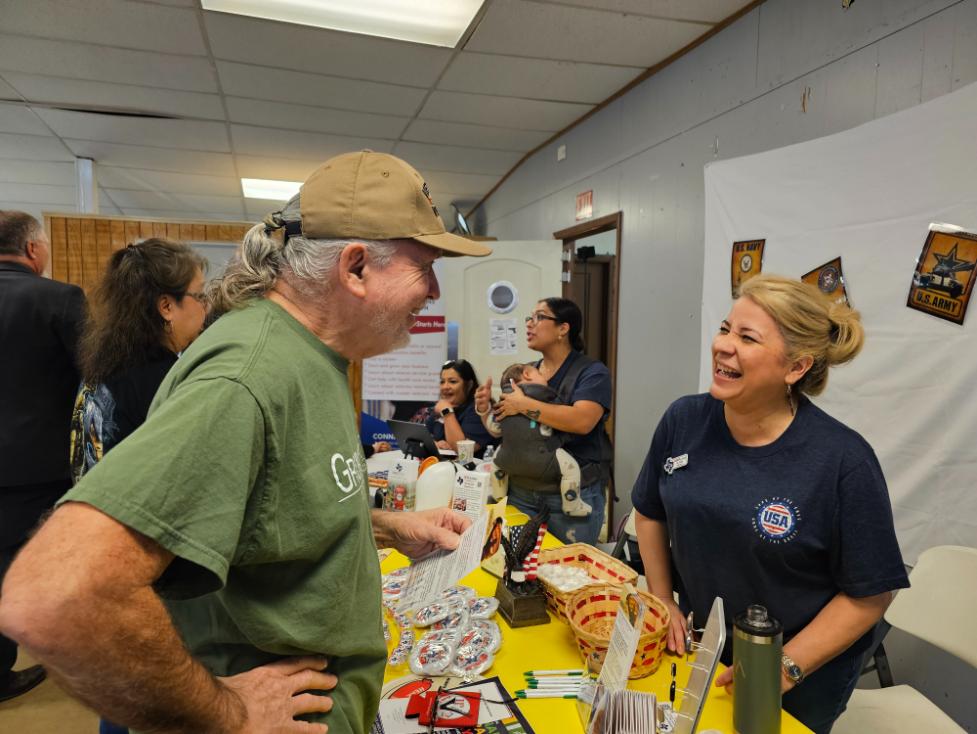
column 447, row 412
column 791, row 669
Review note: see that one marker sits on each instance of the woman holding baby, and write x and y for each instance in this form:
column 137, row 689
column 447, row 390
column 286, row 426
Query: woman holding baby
column 584, row 387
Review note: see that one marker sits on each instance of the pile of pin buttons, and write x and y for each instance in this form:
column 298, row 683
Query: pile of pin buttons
column 565, row 577
column 459, row 637
column 393, row 584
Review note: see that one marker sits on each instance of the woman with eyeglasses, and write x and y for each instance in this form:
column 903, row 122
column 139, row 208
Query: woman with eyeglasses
column 584, row 389
column 453, row 418
column 147, row 308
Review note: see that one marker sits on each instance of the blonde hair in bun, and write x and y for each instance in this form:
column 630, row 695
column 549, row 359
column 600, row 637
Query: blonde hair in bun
column 810, row 323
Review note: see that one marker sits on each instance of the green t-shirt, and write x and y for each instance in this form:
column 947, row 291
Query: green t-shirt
column 250, row 471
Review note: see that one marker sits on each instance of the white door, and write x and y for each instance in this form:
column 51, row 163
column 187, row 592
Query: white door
column 513, row 278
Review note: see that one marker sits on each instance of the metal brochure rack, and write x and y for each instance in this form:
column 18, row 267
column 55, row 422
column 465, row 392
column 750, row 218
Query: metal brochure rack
column 598, row 705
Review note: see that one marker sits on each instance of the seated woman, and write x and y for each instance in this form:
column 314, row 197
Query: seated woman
column 453, row 418
column 760, row 497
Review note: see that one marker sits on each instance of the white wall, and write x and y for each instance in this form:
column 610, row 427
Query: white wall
column 740, row 92
column 789, row 71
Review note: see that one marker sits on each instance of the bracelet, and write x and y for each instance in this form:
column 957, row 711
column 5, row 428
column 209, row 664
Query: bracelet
column 482, row 415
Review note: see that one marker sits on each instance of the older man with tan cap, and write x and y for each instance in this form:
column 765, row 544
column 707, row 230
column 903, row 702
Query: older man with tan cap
column 217, row 571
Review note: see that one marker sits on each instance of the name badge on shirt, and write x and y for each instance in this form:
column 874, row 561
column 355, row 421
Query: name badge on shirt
column 675, row 462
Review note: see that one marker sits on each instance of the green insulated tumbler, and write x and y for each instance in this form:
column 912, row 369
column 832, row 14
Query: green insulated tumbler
column 757, row 647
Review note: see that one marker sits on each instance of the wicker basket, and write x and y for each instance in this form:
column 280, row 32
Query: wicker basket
column 592, row 610
column 602, row 567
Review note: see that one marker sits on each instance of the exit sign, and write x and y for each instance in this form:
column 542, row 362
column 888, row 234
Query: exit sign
column 585, row 205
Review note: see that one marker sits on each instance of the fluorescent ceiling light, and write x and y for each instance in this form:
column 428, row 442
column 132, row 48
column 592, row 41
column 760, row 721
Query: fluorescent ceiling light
column 263, row 188
column 433, row 22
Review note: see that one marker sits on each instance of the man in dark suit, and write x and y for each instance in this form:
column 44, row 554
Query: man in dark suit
column 39, row 324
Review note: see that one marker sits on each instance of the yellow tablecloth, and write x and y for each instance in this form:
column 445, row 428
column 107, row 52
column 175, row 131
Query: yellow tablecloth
column 551, row 646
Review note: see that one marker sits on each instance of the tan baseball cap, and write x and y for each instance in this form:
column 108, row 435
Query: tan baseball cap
column 375, row 196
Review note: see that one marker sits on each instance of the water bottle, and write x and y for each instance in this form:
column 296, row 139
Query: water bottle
column 757, row 649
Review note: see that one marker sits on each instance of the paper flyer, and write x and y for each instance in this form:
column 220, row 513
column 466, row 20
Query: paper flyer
column 624, row 641
column 433, row 574
column 502, row 336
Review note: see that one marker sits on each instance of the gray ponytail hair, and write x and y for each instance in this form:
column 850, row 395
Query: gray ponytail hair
column 304, row 263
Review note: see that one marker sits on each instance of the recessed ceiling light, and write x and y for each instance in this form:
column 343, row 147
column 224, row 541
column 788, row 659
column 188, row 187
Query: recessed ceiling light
column 433, row 22
column 263, row 188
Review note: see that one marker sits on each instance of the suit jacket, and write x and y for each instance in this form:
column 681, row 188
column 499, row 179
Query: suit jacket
column 40, row 320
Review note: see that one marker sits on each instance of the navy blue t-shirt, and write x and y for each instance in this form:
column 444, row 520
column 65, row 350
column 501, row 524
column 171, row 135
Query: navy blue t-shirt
column 471, row 426
column 594, row 384
column 787, row 525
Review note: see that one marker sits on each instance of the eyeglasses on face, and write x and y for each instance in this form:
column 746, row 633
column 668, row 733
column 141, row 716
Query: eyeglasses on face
column 535, row 318
column 199, row 296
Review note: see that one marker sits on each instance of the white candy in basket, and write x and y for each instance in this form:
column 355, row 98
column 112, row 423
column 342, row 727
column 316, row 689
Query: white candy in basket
column 565, row 576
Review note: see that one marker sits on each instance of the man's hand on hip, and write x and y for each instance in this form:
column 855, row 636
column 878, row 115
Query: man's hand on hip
column 272, row 695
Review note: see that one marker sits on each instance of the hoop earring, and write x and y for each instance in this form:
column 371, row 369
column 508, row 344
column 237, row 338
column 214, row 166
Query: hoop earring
column 790, row 400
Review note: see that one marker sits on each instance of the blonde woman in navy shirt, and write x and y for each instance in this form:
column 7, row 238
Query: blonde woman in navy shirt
column 754, row 494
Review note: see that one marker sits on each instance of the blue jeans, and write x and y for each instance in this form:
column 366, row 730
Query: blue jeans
column 566, row 528
column 107, row 727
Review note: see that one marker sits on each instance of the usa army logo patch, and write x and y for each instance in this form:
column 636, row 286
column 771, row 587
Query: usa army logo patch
column 747, row 261
column 944, row 277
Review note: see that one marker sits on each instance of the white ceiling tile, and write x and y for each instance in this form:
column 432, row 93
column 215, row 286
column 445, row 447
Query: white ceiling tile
column 232, row 206
column 706, row 11
column 461, row 183
column 111, row 22
column 101, row 63
column 7, row 91
column 33, row 148
column 547, row 31
column 513, row 76
column 479, row 109
column 157, row 159
column 38, row 172
column 178, row 214
column 105, row 205
column 37, row 193
column 476, row 136
column 19, row 119
column 458, row 160
column 277, row 169
column 314, row 119
column 143, row 199
column 255, row 41
column 256, row 209
column 179, row 183
column 190, row 134
column 192, row 206
column 79, row 93
column 175, row 3
column 313, row 147
column 283, row 85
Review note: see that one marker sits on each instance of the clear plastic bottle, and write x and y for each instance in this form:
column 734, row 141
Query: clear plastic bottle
column 489, row 453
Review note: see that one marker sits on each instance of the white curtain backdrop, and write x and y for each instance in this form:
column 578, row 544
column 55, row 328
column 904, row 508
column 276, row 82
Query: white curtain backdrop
column 869, row 194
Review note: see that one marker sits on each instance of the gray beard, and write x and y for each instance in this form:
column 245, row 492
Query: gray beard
column 395, row 331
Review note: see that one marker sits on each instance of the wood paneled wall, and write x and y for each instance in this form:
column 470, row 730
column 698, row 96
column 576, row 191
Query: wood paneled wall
column 82, row 243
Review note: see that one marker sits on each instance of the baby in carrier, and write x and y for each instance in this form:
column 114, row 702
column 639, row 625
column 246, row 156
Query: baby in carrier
column 533, row 451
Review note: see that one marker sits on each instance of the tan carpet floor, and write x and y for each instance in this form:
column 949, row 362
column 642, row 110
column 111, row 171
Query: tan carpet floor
column 45, row 710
